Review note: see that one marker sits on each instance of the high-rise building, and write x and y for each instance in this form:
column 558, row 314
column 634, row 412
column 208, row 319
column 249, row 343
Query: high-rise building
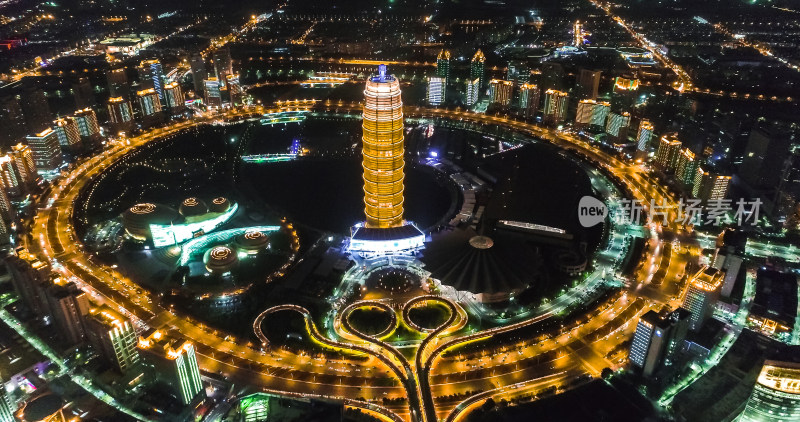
column 669, row 148
column 68, row 305
column 86, row 120
column 473, row 92
column 30, row 278
column 45, row 149
column 83, row 93
column 149, row 104
column 7, row 408
column 199, row 73
column 617, row 126
column 436, row 89
column 7, row 212
column 113, row 337
column 589, row 83
column 13, row 120
column 151, row 75
column 591, row 113
column 213, row 96
column 67, row 131
column 776, row 395
column 234, row 88
column 118, row 85
column 174, row 362
column 443, row 65
column 383, row 148
column 710, row 186
column 529, row 98
column 25, row 165
column 657, row 339
column 552, row 76
column 35, row 109
column 501, row 91
column 702, row 294
column 477, row 69
column 577, row 34
column 764, row 155
column 223, row 64
column 12, row 185
column 518, row 72
column 120, row 114
column 728, row 256
column 555, row 107
column 686, row 169
column 643, row 137
column 173, row 97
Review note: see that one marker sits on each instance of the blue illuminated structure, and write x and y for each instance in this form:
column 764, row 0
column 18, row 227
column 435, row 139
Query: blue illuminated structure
column 173, row 234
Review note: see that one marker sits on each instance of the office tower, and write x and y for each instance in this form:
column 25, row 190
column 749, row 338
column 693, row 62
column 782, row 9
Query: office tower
column 589, row 83
column 702, row 294
column 173, row 97
column 7, row 212
column 667, row 154
column 473, row 92
column 212, row 93
column 113, row 337
column 87, row 123
column 234, row 88
column 151, row 75
column 383, row 149
column 443, row 66
column 223, row 64
column 679, row 321
column 518, row 72
column 529, row 99
column 30, row 277
column 730, row 248
column 118, row 85
column 555, row 107
column 764, row 155
column 643, row 136
column 35, row 109
column 68, row 305
column 7, row 408
column 149, row 104
column 710, row 186
column 174, row 362
column 120, row 114
column 501, row 91
column 617, row 126
column 12, row 185
column 552, row 76
column 477, row 69
column 649, row 342
column 686, row 168
column 591, row 113
column 24, row 164
column 199, row 73
column 577, row 34
column 83, row 93
column 45, row 150
column 436, row 89
column 776, row 395
column 67, row 131
column 13, row 121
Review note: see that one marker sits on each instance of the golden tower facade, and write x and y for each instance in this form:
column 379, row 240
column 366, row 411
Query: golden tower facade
column 383, row 149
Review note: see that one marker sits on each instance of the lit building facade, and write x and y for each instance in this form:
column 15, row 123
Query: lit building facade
column 702, row 294
column 686, row 169
column 149, row 104
column 710, row 186
column 9, row 175
column 643, row 137
column 113, row 337
column 555, row 106
column 86, row 119
column 648, row 343
column 151, row 75
column 45, row 150
column 591, row 113
column 120, row 114
column 211, row 92
column 477, row 69
column 383, row 148
column 529, row 98
column 443, row 65
column 68, row 305
column 669, row 148
column 7, row 409
column 617, row 125
column 25, row 165
column 173, row 97
column 175, row 363
column 67, row 132
column 501, row 91
column 473, row 92
column 436, row 90
column 776, row 395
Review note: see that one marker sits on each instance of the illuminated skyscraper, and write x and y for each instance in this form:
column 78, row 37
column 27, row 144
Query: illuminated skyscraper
column 477, row 68
column 702, row 294
column 68, row 305
column 591, row 113
column 173, row 97
column 6, row 408
column 67, row 132
column 120, row 114
column 555, row 106
column 710, row 186
column 113, row 337
column 30, row 277
column 223, row 64
column 643, row 137
column 669, row 148
column 383, row 151
column 577, row 34
column 46, row 150
column 443, row 65
column 118, row 85
column 151, row 75
column 26, row 167
column 649, row 342
column 86, row 120
column 501, row 91
column 175, row 363
column 776, row 395
column 617, row 125
column 211, row 91
column 199, row 73
column 149, row 103
column 473, row 92
column 436, row 90
column 12, row 185
column 686, row 169
column 529, row 97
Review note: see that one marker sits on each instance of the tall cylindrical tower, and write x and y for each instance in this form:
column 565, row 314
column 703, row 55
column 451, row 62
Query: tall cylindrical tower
column 383, row 151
